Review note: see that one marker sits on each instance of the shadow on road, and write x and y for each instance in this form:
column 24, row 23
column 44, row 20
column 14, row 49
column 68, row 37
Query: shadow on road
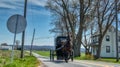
column 55, row 61
column 59, row 61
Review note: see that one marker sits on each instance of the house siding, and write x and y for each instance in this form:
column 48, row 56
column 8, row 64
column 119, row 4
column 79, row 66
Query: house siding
column 111, row 43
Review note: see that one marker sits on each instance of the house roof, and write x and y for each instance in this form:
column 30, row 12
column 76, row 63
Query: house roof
column 111, row 28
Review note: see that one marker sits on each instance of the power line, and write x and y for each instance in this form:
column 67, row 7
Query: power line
column 43, row 38
column 32, row 42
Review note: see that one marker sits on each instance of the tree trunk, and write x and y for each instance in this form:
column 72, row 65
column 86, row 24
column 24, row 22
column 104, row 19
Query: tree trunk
column 99, row 52
column 77, row 50
column 87, row 51
column 99, row 49
column 77, row 45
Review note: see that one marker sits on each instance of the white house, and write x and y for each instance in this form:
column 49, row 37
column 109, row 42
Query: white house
column 108, row 48
column 6, row 47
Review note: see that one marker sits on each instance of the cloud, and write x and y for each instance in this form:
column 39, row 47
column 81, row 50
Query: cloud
column 4, row 4
column 15, row 6
column 38, row 11
column 38, row 2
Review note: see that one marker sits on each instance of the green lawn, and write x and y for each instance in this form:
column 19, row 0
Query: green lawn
column 43, row 53
column 88, row 57
column 83, row 57
column 27, row 61
column 108, row 60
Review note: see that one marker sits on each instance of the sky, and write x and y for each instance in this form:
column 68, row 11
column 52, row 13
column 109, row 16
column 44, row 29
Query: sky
column 38, row 17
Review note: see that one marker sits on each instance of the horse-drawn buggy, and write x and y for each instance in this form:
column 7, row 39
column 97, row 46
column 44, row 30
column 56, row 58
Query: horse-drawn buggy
column 63, row 49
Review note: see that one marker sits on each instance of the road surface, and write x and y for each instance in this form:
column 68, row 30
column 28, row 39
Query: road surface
column 81, row 63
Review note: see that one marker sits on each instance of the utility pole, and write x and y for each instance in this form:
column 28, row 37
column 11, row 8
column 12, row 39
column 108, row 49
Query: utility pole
column 117, row 56
column 23, row 33
column 32, row 42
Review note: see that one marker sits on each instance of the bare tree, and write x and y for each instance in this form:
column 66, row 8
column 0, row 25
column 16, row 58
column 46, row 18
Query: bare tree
column 4, row 44
column 17, row 44
column 73, row 13
column 105, row 15
column 59, row 17
column 66, row 11
column 85, row 7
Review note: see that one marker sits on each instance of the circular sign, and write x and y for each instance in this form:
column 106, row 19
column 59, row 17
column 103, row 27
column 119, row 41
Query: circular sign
column 16, row 24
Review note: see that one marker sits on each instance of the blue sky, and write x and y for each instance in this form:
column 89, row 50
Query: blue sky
column 38, row 17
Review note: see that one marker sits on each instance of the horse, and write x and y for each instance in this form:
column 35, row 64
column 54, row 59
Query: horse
column 67, row 50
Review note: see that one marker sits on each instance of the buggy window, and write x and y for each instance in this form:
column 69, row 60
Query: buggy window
column 62, row 40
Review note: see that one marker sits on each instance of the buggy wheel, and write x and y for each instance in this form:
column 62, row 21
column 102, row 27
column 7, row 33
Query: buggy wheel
column 66, row 60
column 72, row 55
column 51, row 55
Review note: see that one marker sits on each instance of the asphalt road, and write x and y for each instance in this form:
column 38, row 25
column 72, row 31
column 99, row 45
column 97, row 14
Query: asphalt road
column 81, row 63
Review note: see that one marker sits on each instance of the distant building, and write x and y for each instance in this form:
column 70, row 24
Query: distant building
column 108, row 48
column 6, row 47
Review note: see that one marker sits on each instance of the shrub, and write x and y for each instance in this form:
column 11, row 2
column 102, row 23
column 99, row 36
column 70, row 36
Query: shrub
column 0, row 61
column 10, row 65
column 89, row 57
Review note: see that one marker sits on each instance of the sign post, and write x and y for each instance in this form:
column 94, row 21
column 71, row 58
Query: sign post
column 16, row 24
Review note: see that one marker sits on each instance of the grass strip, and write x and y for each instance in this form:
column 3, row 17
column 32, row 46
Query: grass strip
column 27, row 61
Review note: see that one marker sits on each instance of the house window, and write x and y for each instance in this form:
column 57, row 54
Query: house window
column 93, row 50
column 107, row 38
column 119, row 49
column 93, row 39
column 110, row 30
column 107, row 49
column 96, row 39
column 119, row 38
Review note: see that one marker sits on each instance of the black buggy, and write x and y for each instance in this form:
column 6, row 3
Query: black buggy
column 63, row 49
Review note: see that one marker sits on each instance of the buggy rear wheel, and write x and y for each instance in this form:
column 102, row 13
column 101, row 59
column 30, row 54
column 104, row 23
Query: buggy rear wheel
column 66, row 56
column 51, row 55
column 72, row 55
column 66, row 60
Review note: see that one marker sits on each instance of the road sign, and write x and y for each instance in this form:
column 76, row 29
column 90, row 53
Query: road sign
column 16, row 23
